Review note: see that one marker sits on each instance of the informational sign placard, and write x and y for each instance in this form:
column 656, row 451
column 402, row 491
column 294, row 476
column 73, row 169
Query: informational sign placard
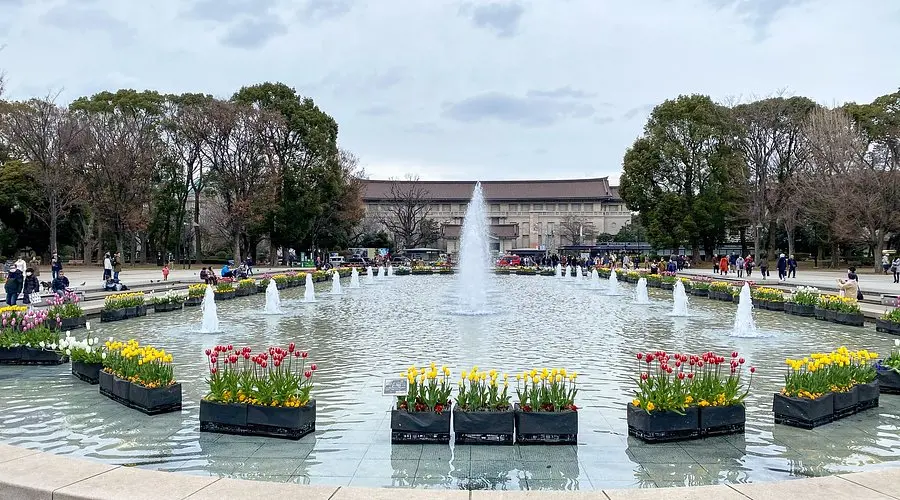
column 395, row 387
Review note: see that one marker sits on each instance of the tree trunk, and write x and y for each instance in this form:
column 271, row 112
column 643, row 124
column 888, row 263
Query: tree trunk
column 790, row 238
column 120, row 241
column 770, row 240
column 145, row 242
column 820, row 255
column 743, row 241
column 835, row 255
column 196, row 227
column 237, row 247
column 879, row 247
column 756, row 241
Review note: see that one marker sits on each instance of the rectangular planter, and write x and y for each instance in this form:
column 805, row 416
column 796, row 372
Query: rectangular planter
column 667, row 286
column 33, row 356
column 193, row 301
column 663, row 426
column 167, row 307
column 213, row 415
column 803, row 413
column 70, row 323
column 120, row 388
column 140, row 311
column 131, row 312
column 87, row 372
column 849, row 319
column 10, row 354
column 819, row 313
column 543, row 427
column 868, row 395
column 262, row 288
column 224, row 295
column 155, row 401
column 775, row 305
column 113, row 315
column 105, row 381
column 845, row 403
column 887, row 326
column 484, row 427
column 242, row 292
column 830, row 316
column 269, row 421
column 800, row 310
column 698, row 292
column 721, row 420
column 888, row 381
column 420, row 427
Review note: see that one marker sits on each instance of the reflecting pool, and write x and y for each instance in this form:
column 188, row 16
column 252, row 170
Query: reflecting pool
column 373, row 332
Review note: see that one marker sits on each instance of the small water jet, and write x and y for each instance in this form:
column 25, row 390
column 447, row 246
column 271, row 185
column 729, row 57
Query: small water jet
column 559, row 270
column 679, row 300
column 744, row 326
column 566, row 273
column 273, row 298
column 390, row 271
column 380, row 272
column 578, row 273
column 613, row 283
column 309, row 292
column 370, row 276
column 354, row 278
column 210, row 323
column 474, row 256
column 641, row 296
column 595, row 279
column 336, row 283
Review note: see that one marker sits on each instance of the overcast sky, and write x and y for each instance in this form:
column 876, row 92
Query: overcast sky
column 450, row 89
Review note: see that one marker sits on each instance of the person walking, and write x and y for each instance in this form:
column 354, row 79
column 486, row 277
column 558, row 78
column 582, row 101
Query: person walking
column 764, row 266
column 895, row 268
column 723, row 265
column 107, row 267
column 885, row 263
column 748, row 263
column 165, row 271
column 14, row 283
column 782, row 267
column 792, row 267
column 117, row 266
column 739, row 266
column 31, row 285
column 55, row 266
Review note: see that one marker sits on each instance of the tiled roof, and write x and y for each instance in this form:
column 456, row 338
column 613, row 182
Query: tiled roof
column 573, row 189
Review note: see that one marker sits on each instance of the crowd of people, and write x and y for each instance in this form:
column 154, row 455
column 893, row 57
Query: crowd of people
column 741, row 266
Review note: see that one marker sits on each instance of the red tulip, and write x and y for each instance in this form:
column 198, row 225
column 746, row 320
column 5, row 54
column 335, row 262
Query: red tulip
column 296, row 354
column 230, row 347
column 313, row 367
column 307, row 374
column 291, row 347
column 681, row 375
column 644, row 376
column 752, row 369
column 640, row 355
column 277, row 363
column 741, row 361
column 264, row 364
column 690, row 375
column 208, row 352
column 734, row 354
column 649, row 358
column 304, row 355
column 213, row 370
column 214, row 359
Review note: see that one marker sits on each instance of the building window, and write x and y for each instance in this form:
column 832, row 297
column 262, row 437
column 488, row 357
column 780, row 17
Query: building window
column 576, row 207
column 537, row 207
column 495, row 207
column 462, row 207
column 445, row 207
column 588, row 207
column 563, row 207
column 513, row 207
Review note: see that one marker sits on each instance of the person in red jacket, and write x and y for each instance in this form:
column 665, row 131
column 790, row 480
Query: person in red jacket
column 723, row 265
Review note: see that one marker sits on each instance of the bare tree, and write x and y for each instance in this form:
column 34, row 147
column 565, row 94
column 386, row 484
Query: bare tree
column 577, row 229
column 407, row 211
column 53, row 141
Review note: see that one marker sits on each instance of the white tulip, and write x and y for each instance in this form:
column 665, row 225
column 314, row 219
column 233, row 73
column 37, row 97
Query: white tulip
column 896, row 342
column 103, row 356
column 68, row 352
column 41, row 343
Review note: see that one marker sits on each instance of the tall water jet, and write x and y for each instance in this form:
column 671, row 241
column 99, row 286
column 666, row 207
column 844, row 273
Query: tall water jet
column 380, row 272
column 640, row 293
column 390, row 271
column 558, row 270
column 566, row 273
column 595, row 279
column 744, row 326
column 273, row 298
column 210, row 322
column 474, row 255
column 613, row 283
column 309, row 292
column 679, row 299
column 336, row 283
column 370, row 276
column 354, row 278
column 578, row 273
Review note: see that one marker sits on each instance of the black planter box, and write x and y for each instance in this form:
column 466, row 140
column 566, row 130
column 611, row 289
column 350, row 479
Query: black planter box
column 262, row 288
column 845, row 403
column 662, row 426
column 800, row 310
column 819, row 313
column 30, row 356
column 868, row 395
column 68, row 323
column 888, row 381
column 887, row 326
column 167, row 307
column 546, row 427
column 131, row 312
column 803, row 413
column 105, row 380
column 775, row 305
column 830, row 316
column 667, row 286
column 87, row 372
column 849, row 319
column 420, row 427
column 113, row 315
column 140, row 311
column 254, row 420
column 484, row 427
column 721, row 420
column 120, row 388
column 700, row 292
column 224, row 295
column 154, row 401
column 10, row 354
column 193, row 301
column 280, row 286
column 242, row 292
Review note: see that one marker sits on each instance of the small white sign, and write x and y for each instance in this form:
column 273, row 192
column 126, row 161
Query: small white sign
column 395, row 387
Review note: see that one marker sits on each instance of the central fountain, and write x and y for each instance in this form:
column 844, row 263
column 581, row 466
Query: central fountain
column 309, row 292
column 336, row 283
column 744, row 326
column 354, row 278
column 474, row 256
column 679, row 299
column 273, row 298
column 210, row 322
column 641, row 296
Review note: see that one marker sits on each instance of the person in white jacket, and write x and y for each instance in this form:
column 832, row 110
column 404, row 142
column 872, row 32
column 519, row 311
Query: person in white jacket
column 107, row 267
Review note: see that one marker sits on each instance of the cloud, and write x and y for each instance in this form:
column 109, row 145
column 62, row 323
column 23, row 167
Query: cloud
column 78, row 18
column 377, row 110
column 561, row 93
column 253, row 33
column 500, row 17
column 424, row 128
column 356, row 82
column 642, row 110
column 758, row 14
column 525, row 111
column 227, row 10
column 603, row 120
column 324, row 10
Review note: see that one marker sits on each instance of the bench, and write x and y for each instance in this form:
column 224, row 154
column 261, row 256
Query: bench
column 74, row 262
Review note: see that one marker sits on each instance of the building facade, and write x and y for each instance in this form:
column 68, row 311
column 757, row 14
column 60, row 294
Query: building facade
column 543, row 214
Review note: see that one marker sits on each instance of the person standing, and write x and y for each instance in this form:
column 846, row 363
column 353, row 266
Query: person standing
column 782, row 267
column 792, row 267
column 107, row 267
column 723, row 265
column 165, row 271
column 117, row 266
column 748, row 263
column 55, row 266
column 739, row 266
column 895, row 267
column 14, row 283
column 764, row 266
column 885, row 263
column 32, row 285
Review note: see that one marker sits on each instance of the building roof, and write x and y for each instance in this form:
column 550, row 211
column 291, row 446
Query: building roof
column 575, row 189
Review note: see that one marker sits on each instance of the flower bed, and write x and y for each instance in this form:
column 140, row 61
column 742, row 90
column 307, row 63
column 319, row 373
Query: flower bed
column 224, row 290
column 400, row 271
column 139, row 377
column 195, row 294
column 267, row 394
column 245, row 287
column 842, row 310
column 682, row 396
column 889, row 322
column 822, row 388
column 632, row 277
column 119, row 306
column 603, row 272
column 483, row 414
column 720, row 290
column 64, row 312
column 888, row 371
column 771, row 299
column 27, row 339
column 423, row 414
column 667, row 281
column 803, row 302
column 169, row 301
column 653, row 280
column 87, row 357
column 700, row 287
column 546, row 411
